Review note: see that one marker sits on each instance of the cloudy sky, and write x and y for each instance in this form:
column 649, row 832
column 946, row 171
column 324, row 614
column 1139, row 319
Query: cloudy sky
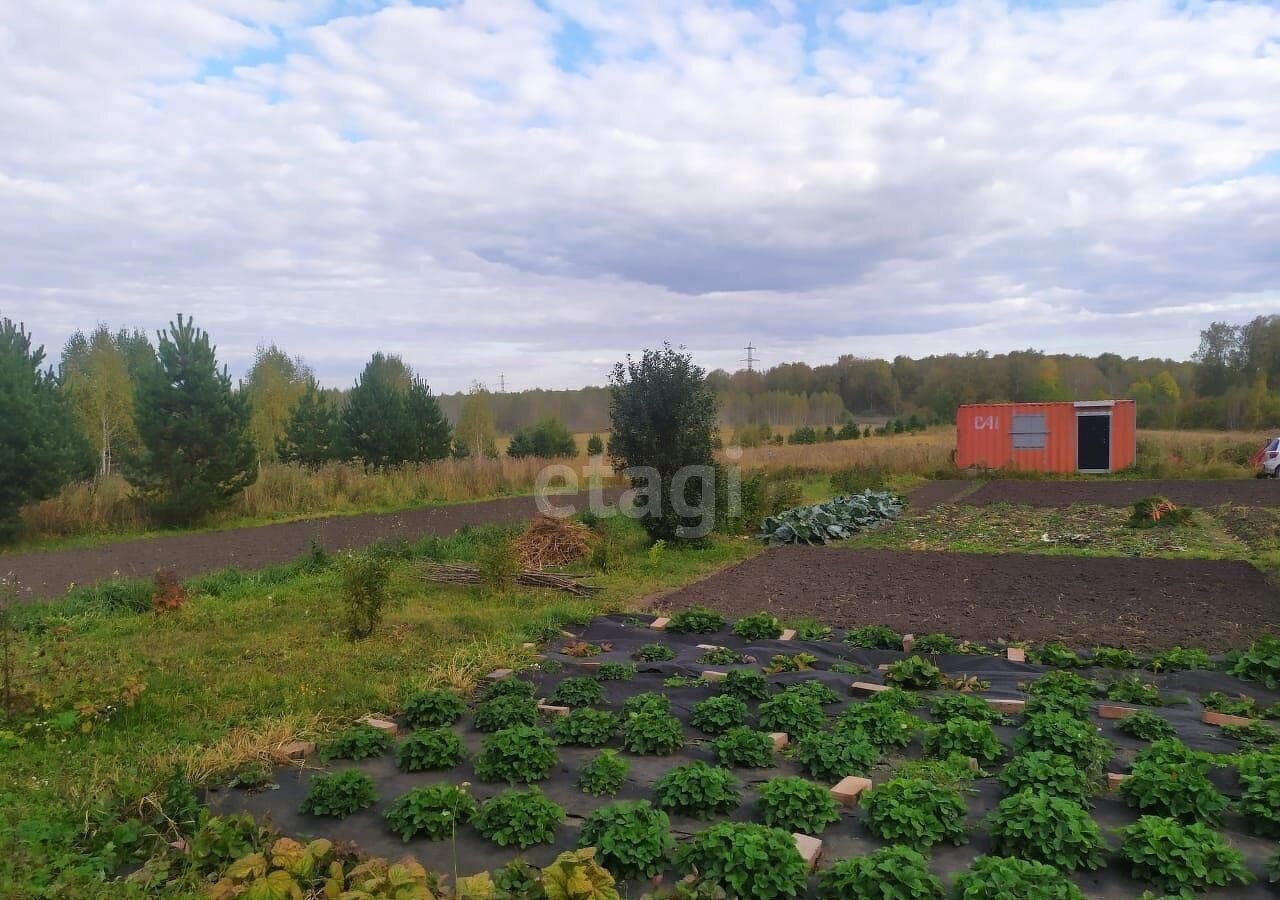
column 537, row 187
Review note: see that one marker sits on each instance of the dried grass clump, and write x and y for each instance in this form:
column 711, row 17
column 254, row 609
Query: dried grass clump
column 549, row 542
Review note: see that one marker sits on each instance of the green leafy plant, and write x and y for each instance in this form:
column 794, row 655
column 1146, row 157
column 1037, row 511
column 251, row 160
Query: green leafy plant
column 1062, row 684
column 1053, row 655
column 578, row 692
column 1255, row 734
column 1259, row 801
column 649, row 701
column 758, row 627
column 654, row 732
column 965, row 737
column 914, row 673
column 790, row 662
column 604, row 774
column 1132, row 689
column 953, row 772
column 1239, row 705
column 721, row 656
column 511, row 686
column 285, row 869
column 682, row 681
column 616, row 671
column 221, row 840
column 1074, row 706
column 874, row 637
column 836, row 519
column 1012, row 879
column 1261, row 662
column 576, row 875
column 633, row 838
column 751, row 862
column 339, row 794
column 718, row 714
column 1145, row 726
column 1048, row 829
column 745, row 748
column 519, row 818
column 915, row 812
column 965, row 706
column 585, row 727
column 1180, row 659
column 881, row 725
column 366, row 578
column 811, row 630
column 1060, row 733
column 797, row 805
column 431, row 748
column 695, row 620
column 1047, row 772
column 830, row 756
column 505, row 711
column 521, row 754
column 434, row 812
column 655, row 653
column 745, row 685
column 890, row 873
column 433, row 709
column 894, row 698
column 1180, row 858
column 356, row 742
column 1115, row 658
column 934, row 644
column 1272, row 868
column 698, row 790
column 1168, row 779
column 814, row 690
column 795, row 713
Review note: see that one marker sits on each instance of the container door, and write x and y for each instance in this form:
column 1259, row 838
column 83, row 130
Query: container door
column 1093, row 443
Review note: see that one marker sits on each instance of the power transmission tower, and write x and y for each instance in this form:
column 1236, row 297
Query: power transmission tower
column 502, row 383
column 750, row 360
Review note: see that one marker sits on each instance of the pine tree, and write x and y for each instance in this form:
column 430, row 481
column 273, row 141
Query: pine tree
column 196, row 452
column 392, row 418
column 41, row 445
column 310, row 431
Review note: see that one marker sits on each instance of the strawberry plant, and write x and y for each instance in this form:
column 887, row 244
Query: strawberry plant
column 584, row 649
column 745, row 685
column 632, row 838
column 848, row 668
column 505, row 711
column 718, row 714
column 758, row 627
column 793, row 713
column 796, row 804
column 339, row 794
column 914, row 673
column 1062, row 684
column 965, row 706
column 433, row 709
column 1180, row 858
column 1255, row 734
column 952, row 773
column 1046, row 772
column 874, row 637
column 1272, row 868
column 915, row 812
column 894, row 698
column 1115, row 658
column 1260, row 663
column 510, row 686
column 698, row 790
column 1239, row 705
column 1048, row 829
column 722, row 656
column 1145, row 726
column 680, row 681
column 1012, row 879
column 604, row 774
column 890, row 873
column 519, row 818
column 1168, row 779
column 649, row 701
column 521, row 753
column 695, row 620
column 585, row 727
column 881, row 725
column 221, row 840
column 744, row 748
column 652, row 732
column 751, row 862
column 1132, row 689
column 814, row 690
column 811, row 630
column 1259, row 801
column 1074, row 706
column 1053, row 655
column 1180, row 659
column 830, row 756
column 356, row 742
column 1060, row 733
column 654, row 653
column 616, row 671
column 933, row 644
column 964, row 737
column 434, row 812
column 795, row 662
column 578, row 692
column 432, row 748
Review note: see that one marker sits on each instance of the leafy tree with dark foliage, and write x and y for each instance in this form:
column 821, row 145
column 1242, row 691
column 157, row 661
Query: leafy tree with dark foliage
column 548, row 439
column 41, row 444
column 392, row 417
column 309, row 435
column 195, row 448
column 663, row 416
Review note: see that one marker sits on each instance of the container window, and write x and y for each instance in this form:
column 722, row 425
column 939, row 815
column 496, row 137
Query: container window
column 1030, row 432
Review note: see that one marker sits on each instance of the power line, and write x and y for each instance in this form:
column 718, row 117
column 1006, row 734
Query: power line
column 502, row 383
column 750, row 360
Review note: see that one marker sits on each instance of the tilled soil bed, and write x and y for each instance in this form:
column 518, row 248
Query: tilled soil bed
column 1081, row 601
column 1240, row 492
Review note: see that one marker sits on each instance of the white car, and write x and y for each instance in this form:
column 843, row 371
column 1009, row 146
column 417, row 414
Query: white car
column 1271, row 458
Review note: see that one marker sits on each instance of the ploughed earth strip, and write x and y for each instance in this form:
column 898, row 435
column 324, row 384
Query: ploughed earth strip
column 1124, row 492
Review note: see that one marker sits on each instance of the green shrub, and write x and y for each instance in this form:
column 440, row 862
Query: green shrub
column 1060, row 733
column 934, row 644
column 1053, row 655
column 790, row 662
column 830, row 756
column 1062, row 684
column 894, row 698
column 880, row 725
column 915, row 812
column 794, row 713
column 745, row 748
column 548, row 438
column 1048, row 829
column 632, row 838
column 1272, row 867
column 1145, row 726
column 1180, row 858
column 1261, row 662
column 356, row 742
column 751, row 862
column 650, row 701
column 1239, row 705
column 1260, row 801
column 1168, row 779
column 578, row 692
column 1179, row 659
column 914, row 673
column 874, row 637
column 1047, row 772
column 1255, row 734
column 654, row 653
column 811, row 630
column 1132, row 689
column 797, row 805
column 1115, row 658
column 365, row 579
column 718, row 714
column 652, row 732
column 616, row 671
column 965, row 706
column 721, row 656
column 521, row 753
column 989, row 877
column 505, row 711
column 1076, row 707
column 814, row 690
column 585, row 727
column 604, row 774
column 695, row 620
column 431, row 748
column 964, row 737
column 699, row 790
column 434, row 812
column 758, row 627
column 510, row 686
column 890, row 873
column 433, row 709
column 745, row 685
column 519, row 819
column 221, row 840
column 339, row 794
column 952, row 773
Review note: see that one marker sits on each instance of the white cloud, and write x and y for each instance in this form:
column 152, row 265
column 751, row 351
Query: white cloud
column 535, row 188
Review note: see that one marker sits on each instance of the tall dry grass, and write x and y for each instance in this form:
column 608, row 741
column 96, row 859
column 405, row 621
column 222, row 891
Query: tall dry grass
column 1204, row 454
column 924, row 453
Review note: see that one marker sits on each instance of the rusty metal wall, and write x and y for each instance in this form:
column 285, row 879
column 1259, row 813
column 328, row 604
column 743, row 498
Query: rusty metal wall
column 985, row 435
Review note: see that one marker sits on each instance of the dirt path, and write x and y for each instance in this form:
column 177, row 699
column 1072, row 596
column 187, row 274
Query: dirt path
column 1240, row 492
column 1082, row 601
column 49, row 573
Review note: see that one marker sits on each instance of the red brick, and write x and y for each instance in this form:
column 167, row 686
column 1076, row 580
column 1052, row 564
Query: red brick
column 548, row 710
column 1015, row 654
column 780, row 740
column 713, row 676
column 660, row 623
column 788, row 634
column 866, row 687
column 1115, row 712
column 1009, row 707
column 810, row 849
column 379, row 723
column 908, row 641
column 295, row 750
column 850, row 789
column 1114, row 780
column 1209, row 717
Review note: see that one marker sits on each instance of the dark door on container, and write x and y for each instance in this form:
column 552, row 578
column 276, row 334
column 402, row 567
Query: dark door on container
column 1093, row 442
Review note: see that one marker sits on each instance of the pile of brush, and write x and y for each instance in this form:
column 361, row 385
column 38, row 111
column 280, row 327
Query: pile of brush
column 455, row 573
column 549, row 543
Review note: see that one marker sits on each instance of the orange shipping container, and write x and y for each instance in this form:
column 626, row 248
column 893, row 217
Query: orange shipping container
column 1083, row 436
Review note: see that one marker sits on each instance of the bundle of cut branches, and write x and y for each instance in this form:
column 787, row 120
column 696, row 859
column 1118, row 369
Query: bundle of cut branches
column 454, row 573
column 549, row 542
